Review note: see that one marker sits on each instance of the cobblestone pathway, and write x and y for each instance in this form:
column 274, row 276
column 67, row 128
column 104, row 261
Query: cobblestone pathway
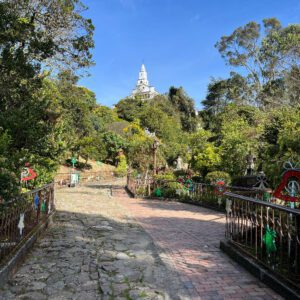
column 189, row 236
column 96, row 249
column 93, row 251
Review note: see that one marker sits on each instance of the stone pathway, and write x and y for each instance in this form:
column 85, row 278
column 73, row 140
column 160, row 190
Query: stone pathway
column 105, row 245
column 94, row 250
column 190, row 236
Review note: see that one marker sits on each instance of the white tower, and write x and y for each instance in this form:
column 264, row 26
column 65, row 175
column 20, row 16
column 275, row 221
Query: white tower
column 143, row 90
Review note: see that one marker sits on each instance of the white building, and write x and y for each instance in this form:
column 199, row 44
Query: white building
column 143, row 90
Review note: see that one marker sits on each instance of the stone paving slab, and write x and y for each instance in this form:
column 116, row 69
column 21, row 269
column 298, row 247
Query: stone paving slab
column 94, row 250
column 189, row 237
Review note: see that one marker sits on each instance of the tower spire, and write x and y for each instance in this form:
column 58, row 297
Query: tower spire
column 143, row 89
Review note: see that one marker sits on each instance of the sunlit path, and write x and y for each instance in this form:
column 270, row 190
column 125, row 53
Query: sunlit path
column 190, row 236
column 96, row 249
column 93, row 251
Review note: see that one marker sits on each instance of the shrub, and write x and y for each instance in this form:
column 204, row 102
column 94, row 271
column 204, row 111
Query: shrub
column 121, row 170
column 212, row 177
column 165, row 176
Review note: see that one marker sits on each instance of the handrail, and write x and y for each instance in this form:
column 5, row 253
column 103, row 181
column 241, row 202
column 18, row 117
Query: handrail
column 263, row 203
column 20, row 217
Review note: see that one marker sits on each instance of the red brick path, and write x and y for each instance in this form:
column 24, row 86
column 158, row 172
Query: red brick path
column 189, row 236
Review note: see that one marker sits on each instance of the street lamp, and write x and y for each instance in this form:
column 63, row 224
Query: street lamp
column 154, row 147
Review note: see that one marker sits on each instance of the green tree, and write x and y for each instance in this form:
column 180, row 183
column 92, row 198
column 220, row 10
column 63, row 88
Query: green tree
column 130, row 109
column 264, row 57
column 33, row 35
column 185, row 106
column 240, row 134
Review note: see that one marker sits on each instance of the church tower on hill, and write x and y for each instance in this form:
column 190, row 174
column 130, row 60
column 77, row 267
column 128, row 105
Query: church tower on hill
column 143, row 90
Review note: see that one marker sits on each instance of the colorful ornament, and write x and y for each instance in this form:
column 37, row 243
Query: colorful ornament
column 228, row 206
column 261, row 181
column 220, row 187
column 289, row 183
column 158, row 192
column 186, row 184
column 36, row 201
column 73, row 161
column 43, row 207
column 21, row 223
column 27, row 173
column 269, row 240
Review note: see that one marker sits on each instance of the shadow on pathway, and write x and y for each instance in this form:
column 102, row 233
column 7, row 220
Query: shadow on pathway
column 189, row 236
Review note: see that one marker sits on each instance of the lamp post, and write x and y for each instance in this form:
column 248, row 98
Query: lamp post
column 154, row 147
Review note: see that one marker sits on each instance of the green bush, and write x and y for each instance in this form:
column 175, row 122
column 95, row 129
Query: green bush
column 165, row 176
column 212, row 177
column 183, row 173
column 121, row 170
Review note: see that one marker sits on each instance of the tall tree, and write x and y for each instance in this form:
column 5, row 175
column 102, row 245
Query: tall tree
column 34, row 33
column 185, row 106
column 58, row 26
column 265, row 57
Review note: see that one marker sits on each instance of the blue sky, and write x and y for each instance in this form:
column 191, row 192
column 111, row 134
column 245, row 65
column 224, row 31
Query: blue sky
column 174, row 38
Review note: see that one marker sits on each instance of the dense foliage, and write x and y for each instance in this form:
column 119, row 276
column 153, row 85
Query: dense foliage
column 47, row 118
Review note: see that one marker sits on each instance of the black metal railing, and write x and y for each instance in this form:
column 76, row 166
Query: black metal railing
column 267, row 232
column 19, row 218
column 202, row 193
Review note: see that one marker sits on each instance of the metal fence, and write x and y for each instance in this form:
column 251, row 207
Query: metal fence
column 20, row 218
column 209, row 195
column 267, row 232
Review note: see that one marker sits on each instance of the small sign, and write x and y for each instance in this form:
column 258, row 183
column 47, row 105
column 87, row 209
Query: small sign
column 73, row 161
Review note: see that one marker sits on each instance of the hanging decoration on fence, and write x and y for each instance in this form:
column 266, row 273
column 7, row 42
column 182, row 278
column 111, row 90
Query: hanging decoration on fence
column 21, row 223
column 289, row 187
column 36, row 201
column 228, row 206
column 27, row 173
column 269, row 240
column 186, row 183
column 262, row 182
column 220, row 187
column 43, row 207
column 49, row 207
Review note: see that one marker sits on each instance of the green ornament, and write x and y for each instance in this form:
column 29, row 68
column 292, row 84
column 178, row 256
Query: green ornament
column 73, row 161
column 269, row 240
column 266, row 196
column 98, row 162
column 43, row 207
column 158, row 192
